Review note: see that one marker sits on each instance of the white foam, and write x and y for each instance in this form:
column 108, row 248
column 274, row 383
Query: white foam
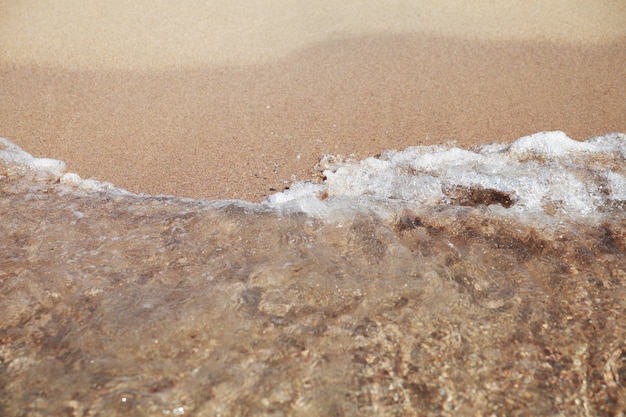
column 13, row 156
column 545, row 174
column 550, row 145
column 19, row 161
column 616, row 186
column 71, row 179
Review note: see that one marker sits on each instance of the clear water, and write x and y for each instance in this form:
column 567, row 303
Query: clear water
column 426, row 281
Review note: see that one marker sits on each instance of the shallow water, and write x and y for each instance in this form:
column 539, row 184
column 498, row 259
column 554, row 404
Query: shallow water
column 429, row 281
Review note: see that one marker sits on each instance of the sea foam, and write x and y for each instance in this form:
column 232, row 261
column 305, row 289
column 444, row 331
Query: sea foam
column 546, row 174
column 16, row 161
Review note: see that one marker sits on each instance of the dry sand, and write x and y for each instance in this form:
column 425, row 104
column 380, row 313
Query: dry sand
column 232, row 101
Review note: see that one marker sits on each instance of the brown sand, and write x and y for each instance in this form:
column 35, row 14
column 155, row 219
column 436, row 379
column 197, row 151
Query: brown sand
column 229, row 128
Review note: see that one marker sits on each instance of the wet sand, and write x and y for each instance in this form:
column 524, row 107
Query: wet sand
column 244, row 121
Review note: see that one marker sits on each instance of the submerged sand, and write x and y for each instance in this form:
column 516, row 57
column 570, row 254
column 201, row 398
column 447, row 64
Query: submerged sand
column 116, row 304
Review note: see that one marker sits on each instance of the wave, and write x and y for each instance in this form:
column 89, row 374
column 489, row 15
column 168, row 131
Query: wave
column 426, row 281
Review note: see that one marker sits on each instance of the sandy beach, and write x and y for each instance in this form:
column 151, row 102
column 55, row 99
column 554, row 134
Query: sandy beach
column 428, row 281
column 213, row 101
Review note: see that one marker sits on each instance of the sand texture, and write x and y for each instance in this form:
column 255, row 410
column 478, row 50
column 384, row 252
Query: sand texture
column 211, row 101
